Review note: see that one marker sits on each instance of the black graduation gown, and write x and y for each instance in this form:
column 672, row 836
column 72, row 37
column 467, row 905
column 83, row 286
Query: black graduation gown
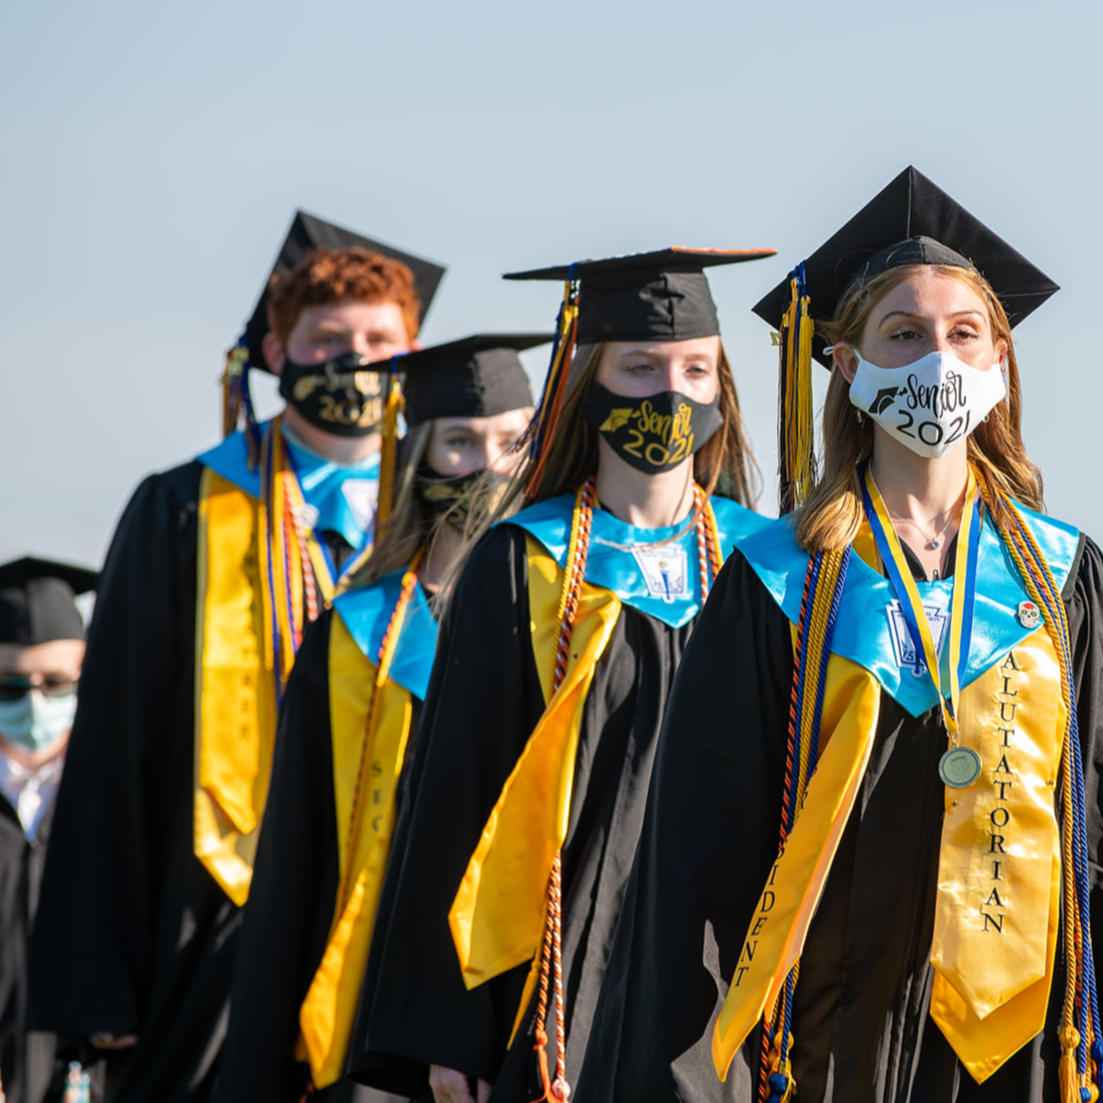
column 149, row 951
column 483, row 702
column 148, row 947
column 291, row 900
column 861, row 1024
column 29, row 1065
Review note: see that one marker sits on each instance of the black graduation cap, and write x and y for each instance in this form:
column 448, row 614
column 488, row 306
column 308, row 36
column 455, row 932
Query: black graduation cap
column 36, row 600
column 912, row 221
column 307, row 233
column 658, row 296
column 478, row 376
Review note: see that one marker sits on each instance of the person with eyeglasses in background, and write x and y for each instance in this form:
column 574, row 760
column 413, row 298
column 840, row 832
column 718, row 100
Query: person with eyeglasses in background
column 41, row 651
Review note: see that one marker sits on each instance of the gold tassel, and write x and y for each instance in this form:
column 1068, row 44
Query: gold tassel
column 231, row 388
column 1067, row 1072
column 385, row 503
column 796, row 431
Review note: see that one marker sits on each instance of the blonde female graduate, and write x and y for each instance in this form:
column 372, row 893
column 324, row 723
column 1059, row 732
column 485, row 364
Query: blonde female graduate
column 346, row 726
column 558, row 650
column 874, row 833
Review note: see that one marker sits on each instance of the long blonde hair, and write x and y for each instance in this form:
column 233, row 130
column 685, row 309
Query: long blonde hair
column 407, row 527
column 724, row 465
column 831, row 516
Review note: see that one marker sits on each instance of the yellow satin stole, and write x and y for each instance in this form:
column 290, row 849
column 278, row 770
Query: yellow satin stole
column 997, row 909
column 329, row 1010
column 497, row 917
column 235, row 696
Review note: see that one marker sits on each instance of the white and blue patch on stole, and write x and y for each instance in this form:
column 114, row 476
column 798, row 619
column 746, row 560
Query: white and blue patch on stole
column 870, row 629
column 366, row 612
column 652, row 570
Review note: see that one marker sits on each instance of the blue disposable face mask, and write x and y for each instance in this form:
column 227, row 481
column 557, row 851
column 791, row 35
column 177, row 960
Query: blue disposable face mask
column 34, row 721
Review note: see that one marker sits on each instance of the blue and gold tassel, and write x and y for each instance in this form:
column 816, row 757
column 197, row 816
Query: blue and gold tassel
column 237, row 400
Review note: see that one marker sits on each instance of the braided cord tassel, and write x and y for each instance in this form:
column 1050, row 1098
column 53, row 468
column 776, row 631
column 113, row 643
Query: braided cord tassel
column 1082, row 1048
column 551, row 962
column 823, row 587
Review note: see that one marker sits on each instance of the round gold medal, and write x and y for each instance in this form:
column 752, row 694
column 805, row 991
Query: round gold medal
column 959, row 767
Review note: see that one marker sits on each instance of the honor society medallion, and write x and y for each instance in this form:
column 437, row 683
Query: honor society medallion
column 959, row 767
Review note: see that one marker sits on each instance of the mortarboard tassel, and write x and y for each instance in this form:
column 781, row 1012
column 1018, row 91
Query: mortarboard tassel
column 795, row 430
column 543, row 423
column 233, row 377
column 237, row 399
column 385, row 502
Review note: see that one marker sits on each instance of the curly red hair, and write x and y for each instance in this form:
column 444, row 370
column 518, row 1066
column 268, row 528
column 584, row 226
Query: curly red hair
column 326, row 276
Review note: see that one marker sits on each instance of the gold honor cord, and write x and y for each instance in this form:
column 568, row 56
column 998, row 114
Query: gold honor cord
column 960, row 766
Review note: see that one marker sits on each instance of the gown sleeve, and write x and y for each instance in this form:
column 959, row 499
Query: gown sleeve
column 483, row 701
column 291, row 898
column 710, row 833
column 1084, row 603
column 92, row 953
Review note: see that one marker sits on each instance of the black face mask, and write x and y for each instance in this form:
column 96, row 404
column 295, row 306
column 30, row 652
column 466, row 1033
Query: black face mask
column 656, row 433
column 449, row 496
column 445, row 495
column 337, row 396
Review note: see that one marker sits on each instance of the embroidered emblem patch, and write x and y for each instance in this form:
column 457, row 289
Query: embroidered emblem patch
column 1029, row 615
column 906, row 654
column 665, row 569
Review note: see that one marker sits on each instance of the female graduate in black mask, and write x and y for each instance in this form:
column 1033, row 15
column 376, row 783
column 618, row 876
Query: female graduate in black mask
column 360, row 677
column 561, row 639
column 872, row 844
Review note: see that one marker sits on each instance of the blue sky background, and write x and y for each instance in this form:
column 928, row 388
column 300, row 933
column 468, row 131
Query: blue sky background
column 152, row 155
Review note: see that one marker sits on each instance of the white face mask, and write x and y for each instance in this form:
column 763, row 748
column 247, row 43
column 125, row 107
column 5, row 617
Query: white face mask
column 931, row 405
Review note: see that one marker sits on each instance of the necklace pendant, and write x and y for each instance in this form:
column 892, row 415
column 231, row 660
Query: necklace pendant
column 936, row 544
column 959, row 767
